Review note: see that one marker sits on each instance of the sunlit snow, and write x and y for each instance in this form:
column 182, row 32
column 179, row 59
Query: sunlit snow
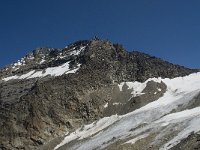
column 137, row 86
column 52, row 71
column 153, row 117
column 77, row 52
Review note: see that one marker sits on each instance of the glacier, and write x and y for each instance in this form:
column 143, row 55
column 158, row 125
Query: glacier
column 161, row 117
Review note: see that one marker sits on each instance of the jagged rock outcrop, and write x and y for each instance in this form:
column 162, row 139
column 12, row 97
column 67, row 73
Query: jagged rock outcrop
column 39, row 106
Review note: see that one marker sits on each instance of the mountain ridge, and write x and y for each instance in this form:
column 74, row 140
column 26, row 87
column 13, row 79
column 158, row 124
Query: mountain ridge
column 39, row 55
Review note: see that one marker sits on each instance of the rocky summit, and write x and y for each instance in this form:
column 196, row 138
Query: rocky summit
column 94, row 94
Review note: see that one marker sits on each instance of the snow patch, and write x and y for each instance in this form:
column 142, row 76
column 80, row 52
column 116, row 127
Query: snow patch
column 159, row 89
column 77, row 52
column 52, row 71
column 133, row 141
column 117, row 103
column 42, row 61
column 106, row 105
column 137, row 87
column 18, row 64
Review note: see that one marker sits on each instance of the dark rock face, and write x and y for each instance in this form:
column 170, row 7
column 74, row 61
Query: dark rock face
column 38, row 110
column 191, row 142
column 123, row 102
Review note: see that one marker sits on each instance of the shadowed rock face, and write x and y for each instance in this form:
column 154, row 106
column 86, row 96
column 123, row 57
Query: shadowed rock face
column 123, row 102
column 37, row 110
column 191, row 142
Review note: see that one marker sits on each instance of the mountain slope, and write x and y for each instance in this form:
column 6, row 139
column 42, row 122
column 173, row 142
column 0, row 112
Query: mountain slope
column 51, row 92
column 160, row 124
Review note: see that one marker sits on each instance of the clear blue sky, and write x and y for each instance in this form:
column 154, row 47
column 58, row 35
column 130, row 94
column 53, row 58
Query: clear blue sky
column 169, row 29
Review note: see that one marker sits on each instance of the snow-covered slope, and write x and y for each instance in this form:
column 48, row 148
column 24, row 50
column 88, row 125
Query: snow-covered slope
column 52, row 71
column 42, row 58
column 161, row 124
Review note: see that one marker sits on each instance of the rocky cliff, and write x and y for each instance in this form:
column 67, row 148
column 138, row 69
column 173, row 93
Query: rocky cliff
column 51, row 92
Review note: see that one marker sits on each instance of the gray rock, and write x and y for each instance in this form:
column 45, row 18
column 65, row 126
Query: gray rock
column 36, row 111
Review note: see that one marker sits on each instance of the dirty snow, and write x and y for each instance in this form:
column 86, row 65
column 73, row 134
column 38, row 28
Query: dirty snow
column 132, row 141
column 148, row 119
column 89, row 130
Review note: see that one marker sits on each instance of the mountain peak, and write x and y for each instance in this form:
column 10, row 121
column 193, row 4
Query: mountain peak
column 50, row 92
column 96, row 52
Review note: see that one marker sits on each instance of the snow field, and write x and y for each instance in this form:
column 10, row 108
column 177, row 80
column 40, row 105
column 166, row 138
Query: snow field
column 153, row 117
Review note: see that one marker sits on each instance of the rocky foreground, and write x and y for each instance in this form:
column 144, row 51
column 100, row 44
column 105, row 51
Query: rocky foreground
column 51, row 94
